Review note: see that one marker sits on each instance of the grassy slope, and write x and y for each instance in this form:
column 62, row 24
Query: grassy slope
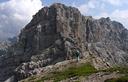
column 83, row 70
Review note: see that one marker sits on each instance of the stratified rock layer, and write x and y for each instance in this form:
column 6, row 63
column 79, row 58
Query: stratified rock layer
column 44, row 41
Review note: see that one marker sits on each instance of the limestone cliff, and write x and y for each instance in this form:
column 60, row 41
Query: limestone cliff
column 42, row 42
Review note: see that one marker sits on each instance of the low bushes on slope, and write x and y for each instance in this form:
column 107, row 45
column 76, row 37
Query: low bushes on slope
column 82, row 70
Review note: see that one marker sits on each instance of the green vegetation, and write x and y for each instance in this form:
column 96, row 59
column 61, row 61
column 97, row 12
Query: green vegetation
column 121, row 79
column 82, row 70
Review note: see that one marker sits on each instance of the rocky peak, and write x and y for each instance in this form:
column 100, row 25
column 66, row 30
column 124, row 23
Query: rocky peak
column 54, row 34
column 50, row 24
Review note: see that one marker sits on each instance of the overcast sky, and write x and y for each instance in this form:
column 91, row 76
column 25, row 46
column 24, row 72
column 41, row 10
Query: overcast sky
column 15, row 14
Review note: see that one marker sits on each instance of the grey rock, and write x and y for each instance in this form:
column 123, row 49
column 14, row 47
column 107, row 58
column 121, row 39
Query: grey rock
column 42, row 42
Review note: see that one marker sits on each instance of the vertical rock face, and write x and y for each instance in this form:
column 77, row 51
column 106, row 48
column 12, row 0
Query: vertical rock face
column 106, row 39
column 50, row 25
column 54, row 33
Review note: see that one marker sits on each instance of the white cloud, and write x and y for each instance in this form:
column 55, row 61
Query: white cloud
column 15, row 14
column 116, row 2
column 89, row 6
column 83, row 8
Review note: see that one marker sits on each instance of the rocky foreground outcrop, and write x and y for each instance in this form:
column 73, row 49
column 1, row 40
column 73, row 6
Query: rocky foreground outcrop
column 54, row 33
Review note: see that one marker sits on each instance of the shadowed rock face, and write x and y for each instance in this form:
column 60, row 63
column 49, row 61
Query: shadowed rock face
column 42, row 41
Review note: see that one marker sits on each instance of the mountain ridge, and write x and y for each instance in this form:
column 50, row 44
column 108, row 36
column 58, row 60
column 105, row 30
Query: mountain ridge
column 42, row 42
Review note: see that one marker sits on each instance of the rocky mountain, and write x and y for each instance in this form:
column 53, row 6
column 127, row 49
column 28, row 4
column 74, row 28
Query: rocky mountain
column 4, row 44
column 54, row 34
column 3, row 47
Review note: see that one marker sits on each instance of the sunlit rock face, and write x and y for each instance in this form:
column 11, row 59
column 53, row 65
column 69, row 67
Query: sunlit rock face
column 42, row 42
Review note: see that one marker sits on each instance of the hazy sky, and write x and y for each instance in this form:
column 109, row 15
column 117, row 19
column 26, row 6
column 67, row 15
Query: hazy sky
column 15, row 14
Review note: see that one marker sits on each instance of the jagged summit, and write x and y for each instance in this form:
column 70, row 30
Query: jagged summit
column 54, row 8
column 52, row 35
